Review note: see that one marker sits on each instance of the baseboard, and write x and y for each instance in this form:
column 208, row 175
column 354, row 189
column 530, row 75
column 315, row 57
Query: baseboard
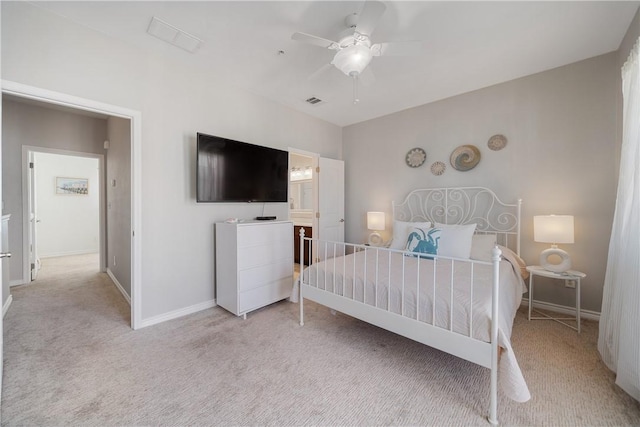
column 71, row 253
column 563, row 309
column 177, row 313
column 119, row 286
column 6, row 305
column 17, row 282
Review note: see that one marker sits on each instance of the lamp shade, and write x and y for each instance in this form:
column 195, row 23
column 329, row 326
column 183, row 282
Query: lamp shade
column 375, row 220
column 553, row 228
column 352, row 59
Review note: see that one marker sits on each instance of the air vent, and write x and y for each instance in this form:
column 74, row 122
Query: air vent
column 164, row 31
column 313, row 100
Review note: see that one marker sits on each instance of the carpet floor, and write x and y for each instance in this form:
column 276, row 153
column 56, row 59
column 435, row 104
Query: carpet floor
column 72, row 359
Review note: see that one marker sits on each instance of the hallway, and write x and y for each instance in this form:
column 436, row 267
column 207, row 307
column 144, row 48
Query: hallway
column 68, row 314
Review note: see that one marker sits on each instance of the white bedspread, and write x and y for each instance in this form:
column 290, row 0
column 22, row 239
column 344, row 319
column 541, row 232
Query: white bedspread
column 414, row 278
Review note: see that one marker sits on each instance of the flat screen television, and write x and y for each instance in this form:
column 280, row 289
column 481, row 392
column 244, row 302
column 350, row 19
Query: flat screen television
column 234, row 171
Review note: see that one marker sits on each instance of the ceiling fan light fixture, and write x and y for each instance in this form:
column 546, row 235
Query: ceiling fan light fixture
column 352, row 60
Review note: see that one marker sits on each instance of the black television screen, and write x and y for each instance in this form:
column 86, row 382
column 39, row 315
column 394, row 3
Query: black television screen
column 234, row 171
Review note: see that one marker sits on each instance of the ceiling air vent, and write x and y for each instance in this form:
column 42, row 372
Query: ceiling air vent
column 314, row 101
column 173, row 35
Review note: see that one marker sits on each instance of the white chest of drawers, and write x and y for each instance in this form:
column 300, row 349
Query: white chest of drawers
column 254, row 264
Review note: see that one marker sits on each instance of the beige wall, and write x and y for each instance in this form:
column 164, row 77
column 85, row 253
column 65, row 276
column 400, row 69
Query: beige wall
column 175, row 100
column 68, row 224
column 560, row 158
column 119, row 201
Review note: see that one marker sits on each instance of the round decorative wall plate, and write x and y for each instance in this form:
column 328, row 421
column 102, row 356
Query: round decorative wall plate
column 497, row 142
column 465, row 157
column 416, row 157
column 438, row 168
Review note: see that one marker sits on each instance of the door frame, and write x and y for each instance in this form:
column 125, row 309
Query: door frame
column 135, row 117
column 315, row 159
column 26, row 149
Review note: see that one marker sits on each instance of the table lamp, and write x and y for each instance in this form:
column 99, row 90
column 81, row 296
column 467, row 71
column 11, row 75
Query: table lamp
column 554, row 229
column 375, row 221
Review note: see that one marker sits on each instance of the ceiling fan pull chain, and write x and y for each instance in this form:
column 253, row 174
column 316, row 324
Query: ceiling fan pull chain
column 355, row 89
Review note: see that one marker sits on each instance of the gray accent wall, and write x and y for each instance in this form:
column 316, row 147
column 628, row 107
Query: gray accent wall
column 561, row 127
column 119, row 201
column 33, row 125
column 630, row 39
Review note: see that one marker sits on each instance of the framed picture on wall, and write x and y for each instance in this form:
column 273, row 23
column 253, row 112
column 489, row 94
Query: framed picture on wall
column 76, row 186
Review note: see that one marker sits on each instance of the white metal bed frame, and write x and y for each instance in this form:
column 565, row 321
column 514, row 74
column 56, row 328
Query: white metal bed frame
column 460, row 205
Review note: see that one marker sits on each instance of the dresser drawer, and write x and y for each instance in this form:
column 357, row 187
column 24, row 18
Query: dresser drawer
column 256, row 277
column 256, row 298
column 257, row 255
column 254, row 235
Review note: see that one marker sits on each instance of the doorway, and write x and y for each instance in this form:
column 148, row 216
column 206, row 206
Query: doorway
column 316, row 202
column 65, row 204
column 302, row 202
column 69, row 102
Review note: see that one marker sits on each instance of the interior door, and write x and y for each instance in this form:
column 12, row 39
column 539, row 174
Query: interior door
column 330, row 204
column 34, row 261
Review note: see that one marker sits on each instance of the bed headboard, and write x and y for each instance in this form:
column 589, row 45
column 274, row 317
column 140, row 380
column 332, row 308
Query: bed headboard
column 464, row 205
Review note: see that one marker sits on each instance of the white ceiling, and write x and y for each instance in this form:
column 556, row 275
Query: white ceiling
column 466, row 45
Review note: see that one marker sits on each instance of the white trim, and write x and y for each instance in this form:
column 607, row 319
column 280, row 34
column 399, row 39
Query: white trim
column 6, row 305
column 177, row 313
column 118, row 285
column 562, row 309
column 58, row 98
column 71, row 253
column 51, row 97
column 314, row 182
column 293, row 150
column 16, row 282
column 102, row 197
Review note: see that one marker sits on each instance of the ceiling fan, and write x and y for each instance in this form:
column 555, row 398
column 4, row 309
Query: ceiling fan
column 354, row 48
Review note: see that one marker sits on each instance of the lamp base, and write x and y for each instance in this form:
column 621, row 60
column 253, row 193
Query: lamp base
column 565, row 261
column 375, row 239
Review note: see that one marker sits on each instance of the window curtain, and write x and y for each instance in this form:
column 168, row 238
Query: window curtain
column 619, row 339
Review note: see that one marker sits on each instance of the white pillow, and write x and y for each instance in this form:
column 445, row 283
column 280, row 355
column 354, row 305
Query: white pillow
column 401, row 232
column 482, row 246
column 455, row 240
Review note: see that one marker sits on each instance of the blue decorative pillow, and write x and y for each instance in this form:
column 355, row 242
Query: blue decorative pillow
column 424, row 242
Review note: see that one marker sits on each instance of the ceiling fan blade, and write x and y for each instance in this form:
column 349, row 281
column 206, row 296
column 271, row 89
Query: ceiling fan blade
column 411, row 48
column 367, row 77
column 369, row 16
column 314, row 40
column 320, row 72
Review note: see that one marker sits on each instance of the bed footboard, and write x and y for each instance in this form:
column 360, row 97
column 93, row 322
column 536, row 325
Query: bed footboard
column 448, row 304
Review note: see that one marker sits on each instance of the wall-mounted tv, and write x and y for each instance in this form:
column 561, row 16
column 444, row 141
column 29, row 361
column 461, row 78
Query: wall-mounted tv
column 234, row 171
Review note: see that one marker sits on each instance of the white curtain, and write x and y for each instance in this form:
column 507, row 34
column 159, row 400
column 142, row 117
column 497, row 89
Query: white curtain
column 619, row 339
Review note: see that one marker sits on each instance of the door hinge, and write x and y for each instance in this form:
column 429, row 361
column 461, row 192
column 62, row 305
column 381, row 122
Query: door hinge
column 317, row 169
column 30, row 165
column 317, row 214
column 33, row 266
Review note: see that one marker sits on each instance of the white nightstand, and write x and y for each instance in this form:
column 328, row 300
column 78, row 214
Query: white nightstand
column 536, row 270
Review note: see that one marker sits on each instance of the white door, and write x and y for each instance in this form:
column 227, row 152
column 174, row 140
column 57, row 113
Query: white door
column 4, row 255
column 34, row 261
column 330, row 204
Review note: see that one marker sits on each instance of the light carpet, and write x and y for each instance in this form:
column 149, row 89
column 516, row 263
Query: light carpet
column 72, row 359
